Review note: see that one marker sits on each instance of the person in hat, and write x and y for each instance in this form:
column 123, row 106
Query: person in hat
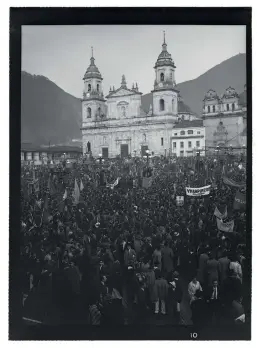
column 129, row 256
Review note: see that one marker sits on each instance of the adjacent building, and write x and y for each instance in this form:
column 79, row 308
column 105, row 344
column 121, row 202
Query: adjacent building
column 225, row 119
column 188, row 138
column 39, row 154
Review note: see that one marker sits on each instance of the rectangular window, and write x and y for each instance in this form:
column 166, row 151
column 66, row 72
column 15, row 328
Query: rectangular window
column 175, row 133
column 198, row 143
column 198, row 132
column 190, row 132
column 181, row 153
column 174, row 145
column 189, row 144
column 182, row 144
column 162, row 141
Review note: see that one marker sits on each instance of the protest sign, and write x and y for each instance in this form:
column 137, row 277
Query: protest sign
column 240, row 201
column 231, row 182
column 220, row 215
column 179, row 201
column 198, row 191
column 225, row 226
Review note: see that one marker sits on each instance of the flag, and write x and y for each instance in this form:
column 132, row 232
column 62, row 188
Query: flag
column 146, row 182
column 220, row 215
column 240, row 201
column 36, row 186
column 65, row 195
column 81, row 186
column 233, row 183
column 50, row 186
column 116, row 182
column 225, row 226
column 76, row 193
column 45, row 215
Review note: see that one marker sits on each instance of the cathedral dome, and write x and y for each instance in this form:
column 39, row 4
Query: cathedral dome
column 164, row 58
column 92, row 70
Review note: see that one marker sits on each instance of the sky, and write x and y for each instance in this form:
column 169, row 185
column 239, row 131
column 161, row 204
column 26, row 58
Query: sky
column 62, row 53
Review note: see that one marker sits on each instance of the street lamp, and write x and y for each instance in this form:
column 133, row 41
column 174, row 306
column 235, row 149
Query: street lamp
column 100, row 159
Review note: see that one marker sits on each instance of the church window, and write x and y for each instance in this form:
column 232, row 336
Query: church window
column 97, row 87
column 123, row 111
column 172, row 105
column 209, row 108
column 162, row 76
column 162, row 106
column 182, row 133
column 88, row 112
column 161, row 141
column 233, row 107
column 213, row 108
column 190, row 132
column 227, row 107
column 89, row 87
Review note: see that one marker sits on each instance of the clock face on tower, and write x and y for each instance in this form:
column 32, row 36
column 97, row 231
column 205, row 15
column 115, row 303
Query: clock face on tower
column 160, row 84
column 88, row 94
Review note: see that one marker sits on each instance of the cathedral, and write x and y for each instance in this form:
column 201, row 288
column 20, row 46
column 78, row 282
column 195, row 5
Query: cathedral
column 117, row 125
column 123, row 123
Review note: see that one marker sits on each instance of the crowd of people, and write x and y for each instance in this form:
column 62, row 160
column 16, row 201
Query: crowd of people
column 127, row 254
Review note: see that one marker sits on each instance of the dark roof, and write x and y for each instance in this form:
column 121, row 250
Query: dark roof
column 182, row 107
column 242, row 99
column 189, row 124
column 92, row 70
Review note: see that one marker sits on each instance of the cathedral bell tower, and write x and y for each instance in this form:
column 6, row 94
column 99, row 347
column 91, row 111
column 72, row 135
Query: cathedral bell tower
column 93, row 103
column 165, row 94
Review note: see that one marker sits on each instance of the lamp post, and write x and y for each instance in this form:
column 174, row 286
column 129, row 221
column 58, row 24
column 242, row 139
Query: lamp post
column 100, row 159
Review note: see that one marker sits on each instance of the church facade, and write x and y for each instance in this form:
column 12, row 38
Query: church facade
column 118, row 125
column 225, row 119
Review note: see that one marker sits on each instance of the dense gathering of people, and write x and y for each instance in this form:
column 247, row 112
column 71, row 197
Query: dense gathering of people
column 123, row 253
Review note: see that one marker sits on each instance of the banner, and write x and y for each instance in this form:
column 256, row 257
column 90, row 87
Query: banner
column 146, row 182
column 225, row 226
column 220, row 215
column 240, row 201
column 198, row 191
column 231, row 182
column 179, row 201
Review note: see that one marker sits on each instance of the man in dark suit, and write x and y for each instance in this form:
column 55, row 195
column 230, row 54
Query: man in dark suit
column 223, row 267
column 167, row 259
column 214, row 301
column 199, row 310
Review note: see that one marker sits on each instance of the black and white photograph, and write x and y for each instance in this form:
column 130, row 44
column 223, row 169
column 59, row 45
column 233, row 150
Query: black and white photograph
column 133, row 176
